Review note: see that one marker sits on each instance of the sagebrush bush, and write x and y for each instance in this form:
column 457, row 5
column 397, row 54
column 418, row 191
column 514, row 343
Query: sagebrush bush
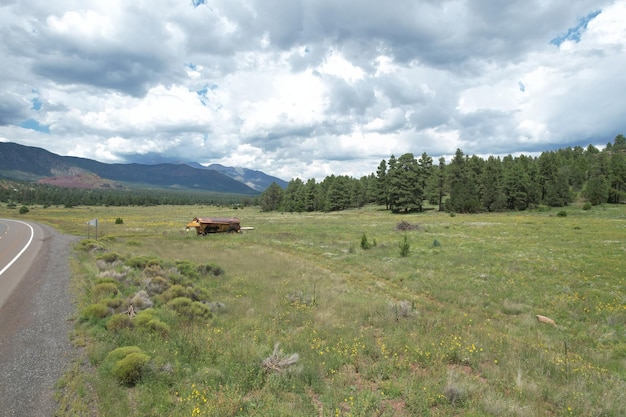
column 174, row 291
column 159, row 327
column 156, row 285
column 210, row 269
column 113, row 303
column 120, row 353
column 189, row 308
column 118, row 322
column 91, row 245
column 131, row 368
column 95, row 311
column 144, row 316
column 104, row 289
column 141, row 300
column 110, row 257
column 141, row 262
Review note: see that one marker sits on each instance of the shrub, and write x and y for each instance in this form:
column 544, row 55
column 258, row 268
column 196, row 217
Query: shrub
column 156, row 285
column 143, row 317
column 119, row 221
column 141, row 300
column 158, row 326
column 562, row 213
column 587, row 206
column 110, row 257
column 113, row 303
column 131, row 368
column 365, row 244
column 95, row 311
column 141, row 262
column 90, row 245
column 120, row 353
column 118, row 322
column 104, row 289
column 186, row 307
column 405, row 246
column 210, row 269
column 174, row 291
column 24, row 210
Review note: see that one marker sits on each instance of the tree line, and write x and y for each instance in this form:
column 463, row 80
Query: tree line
column 14, row 192
column 467, row 184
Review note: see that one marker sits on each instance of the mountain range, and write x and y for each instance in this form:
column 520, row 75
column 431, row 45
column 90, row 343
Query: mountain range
column 32, row 164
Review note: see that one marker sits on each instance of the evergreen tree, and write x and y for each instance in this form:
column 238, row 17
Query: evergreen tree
column 597, row 190
column 405, row 192
column 492, row 198
column 382, row 182
column 272, row 198
column 462, row 184
column 516, row 184
column 293, row 197
column 617, row 175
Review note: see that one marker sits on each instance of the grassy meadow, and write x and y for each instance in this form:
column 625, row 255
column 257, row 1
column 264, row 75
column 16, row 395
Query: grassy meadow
column 319, row 314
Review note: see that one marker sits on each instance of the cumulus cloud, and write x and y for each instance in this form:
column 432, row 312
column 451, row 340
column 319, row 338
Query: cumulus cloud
column 310, row 88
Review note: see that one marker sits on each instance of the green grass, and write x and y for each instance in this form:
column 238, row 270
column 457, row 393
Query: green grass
column 449, row 329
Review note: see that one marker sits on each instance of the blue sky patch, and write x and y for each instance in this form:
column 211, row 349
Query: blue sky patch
column 574, row 33
column 36, row 104
column 33, row 124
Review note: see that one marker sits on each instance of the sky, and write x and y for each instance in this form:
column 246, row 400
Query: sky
column 309, row 88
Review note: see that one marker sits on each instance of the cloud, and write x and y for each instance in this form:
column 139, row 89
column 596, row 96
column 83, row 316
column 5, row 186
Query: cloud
column 310, row 88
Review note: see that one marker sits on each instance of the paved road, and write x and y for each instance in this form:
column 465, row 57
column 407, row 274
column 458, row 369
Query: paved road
column 35, row 305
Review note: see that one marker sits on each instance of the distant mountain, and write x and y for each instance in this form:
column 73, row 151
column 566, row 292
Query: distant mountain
column 26, row 163
column 254, row 179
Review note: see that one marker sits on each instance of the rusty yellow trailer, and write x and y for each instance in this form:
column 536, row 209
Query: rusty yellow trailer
column 206, row 225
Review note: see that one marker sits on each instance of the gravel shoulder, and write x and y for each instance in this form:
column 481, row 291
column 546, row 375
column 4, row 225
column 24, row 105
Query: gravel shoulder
column 35, row 349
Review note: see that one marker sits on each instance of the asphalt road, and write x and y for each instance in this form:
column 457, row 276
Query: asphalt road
column 35, row 305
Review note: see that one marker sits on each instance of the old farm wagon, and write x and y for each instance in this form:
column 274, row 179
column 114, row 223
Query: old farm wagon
column 206, row 225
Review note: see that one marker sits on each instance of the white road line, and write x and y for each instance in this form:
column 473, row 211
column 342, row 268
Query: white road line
column 32, row 234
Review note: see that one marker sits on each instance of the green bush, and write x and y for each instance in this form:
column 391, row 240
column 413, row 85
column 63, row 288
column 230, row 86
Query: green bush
column 24, row 210
column 365, row 244
column 587, row 206
column 90, row 245
column 157, row 285
column 144, row 316
column 118, row 322
column 562, row 213
column 104, row 289
column 119, row 221
column 158, row 326
column 110, row 257
column 95, row 311
column 131, row 368
column 405, row 246
column 188, row 308
column 141, row 262
column 113, row 303
column 120, row 353
column 174, row 291
column 210, row 269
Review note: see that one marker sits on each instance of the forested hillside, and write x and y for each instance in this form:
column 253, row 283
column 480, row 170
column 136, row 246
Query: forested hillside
column 467, row 184
column 15, row 192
